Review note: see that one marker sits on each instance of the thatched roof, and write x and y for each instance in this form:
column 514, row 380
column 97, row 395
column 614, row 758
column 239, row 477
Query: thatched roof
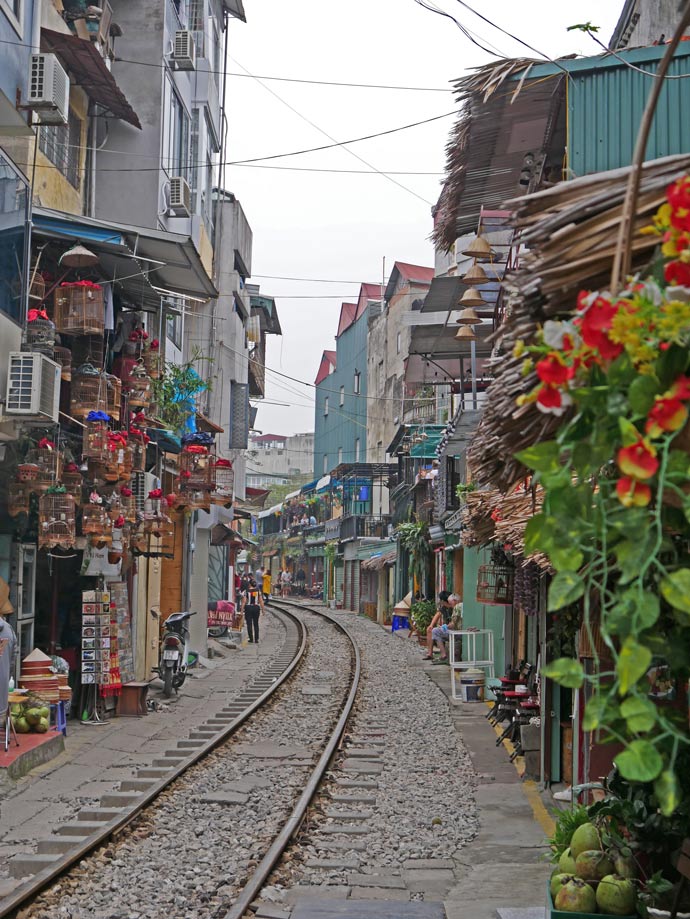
column 490, row 516
column 570, row 232
column 502, row 118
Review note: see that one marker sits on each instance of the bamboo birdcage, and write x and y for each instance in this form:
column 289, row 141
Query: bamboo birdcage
column 73, row 481
column 39, row 335
column 224, row 477
column 199, row 499
column 19, row 498
column 79, row 309
column 137, row 449
column 57, row 525
column 153, row 363
column 89, row 391
column 95, row 442
column 139, row 388
column 197, row 471
column 155, row 539
column 113, row 396
column 96, row 523
column 128, row 507
column 495, row 585
column 63, row 357
column 49, row 462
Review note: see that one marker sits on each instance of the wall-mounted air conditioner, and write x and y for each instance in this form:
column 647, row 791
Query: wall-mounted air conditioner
column 48, row 89
column 33, row 387
column 180, row 197
column 142, row 484
column 184, row 51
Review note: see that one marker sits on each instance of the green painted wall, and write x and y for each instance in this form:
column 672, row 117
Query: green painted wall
column 482, row 615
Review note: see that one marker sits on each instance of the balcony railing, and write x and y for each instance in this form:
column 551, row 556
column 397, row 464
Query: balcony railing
column 358, row 526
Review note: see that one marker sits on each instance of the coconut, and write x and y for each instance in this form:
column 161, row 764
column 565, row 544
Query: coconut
column 593, row 865
column 566, row 863
column 575, row 896
column 21, row 725
column 585, row 837
column 616, row 895
column 42, row 726
column 33, row 716
column 558, row 879
column 624, row 865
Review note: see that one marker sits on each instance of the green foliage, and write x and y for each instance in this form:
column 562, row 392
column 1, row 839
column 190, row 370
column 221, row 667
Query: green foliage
column 176, row 390
column 566, row 824
column 414, row 538
column 463, row 489
column 421, row 613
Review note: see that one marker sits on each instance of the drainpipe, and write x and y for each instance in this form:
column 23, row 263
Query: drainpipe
column 36, row 27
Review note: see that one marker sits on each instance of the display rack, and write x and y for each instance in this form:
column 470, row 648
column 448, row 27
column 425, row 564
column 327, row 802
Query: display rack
column 470, row 658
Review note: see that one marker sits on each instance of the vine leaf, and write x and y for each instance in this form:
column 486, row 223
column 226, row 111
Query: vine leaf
column 594, row 713
column 566, row 671
column 639, row 714
column 542, row 457
column 676, row 589
column 667, row 790
column 641, row 394
column 633, row 662
column 566, row 588
column 639, row 762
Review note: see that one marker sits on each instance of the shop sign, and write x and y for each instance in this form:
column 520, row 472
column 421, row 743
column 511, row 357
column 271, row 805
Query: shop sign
column 221, row 613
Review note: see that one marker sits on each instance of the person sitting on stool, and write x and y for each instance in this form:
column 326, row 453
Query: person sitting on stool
column 252, row 607
column 438, row 627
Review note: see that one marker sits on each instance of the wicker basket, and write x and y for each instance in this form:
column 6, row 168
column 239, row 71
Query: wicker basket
column 57, row 525
column 79, row 309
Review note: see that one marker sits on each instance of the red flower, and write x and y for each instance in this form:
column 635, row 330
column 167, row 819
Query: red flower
column 633, row 494
column 677, row 273
column 126, row 492
column 594, row 323
column 156, row 494
column 638, row 460
column 119, row 523
column 553, row 371
column 680, row 388
column 666, row 415
column 155, row 345
column 185, row 474
column 678, row 196
column 552, row 401
column 171, row 499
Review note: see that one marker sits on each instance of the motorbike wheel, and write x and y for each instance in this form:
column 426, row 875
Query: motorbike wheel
column 218, row 631
column 179, row 680
column 168, row 682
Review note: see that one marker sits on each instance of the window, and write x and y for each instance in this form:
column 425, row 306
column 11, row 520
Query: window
column 342, row 395
column 325, row 463
column 398, row 342
column 13, row 203
column 357, row 450
column 13, row 10
column 196, row 25
column 340, row 455
column 61, row 143
column 173, row 329
column 325, row 406
column 175, row 134
column 357, row 383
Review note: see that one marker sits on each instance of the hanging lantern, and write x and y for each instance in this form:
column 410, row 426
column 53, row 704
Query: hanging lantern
column 39, row 334
column 139, row 388
column 56, row 520
column 63, row 357
column 79, row 308
column 18, row 498
column 465, row 333
column 95, row 442
column 88, row 392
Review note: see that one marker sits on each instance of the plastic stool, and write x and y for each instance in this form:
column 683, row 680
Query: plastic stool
column 57, row 709
column 400, row 622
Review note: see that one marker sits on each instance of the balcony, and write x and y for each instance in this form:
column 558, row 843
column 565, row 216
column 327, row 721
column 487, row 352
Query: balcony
column 331, row 529
column 316, row 535
column 358, row 526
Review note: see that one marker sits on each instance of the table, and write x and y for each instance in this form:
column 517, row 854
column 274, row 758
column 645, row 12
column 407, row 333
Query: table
column 131, row 703
column 474, row 660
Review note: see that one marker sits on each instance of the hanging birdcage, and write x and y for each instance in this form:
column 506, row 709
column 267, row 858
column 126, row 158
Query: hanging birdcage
column 49, row 461
column 224, row 476
column 495, row 584
column 63, row 357
column 79, row 308
column 73, row 481
column 195, row 499
column 153, row 363
column 88, row 392
column 96, row 430
column 39, row 334
column 139, row 388
column 56, row 521
column 96, row 523
column 19, row 498
column 128, row 505
column 113, row 396
column 197, row 469
column 155, row 538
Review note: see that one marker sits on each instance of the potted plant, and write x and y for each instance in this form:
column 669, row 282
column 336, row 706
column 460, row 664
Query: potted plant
column 421, row 613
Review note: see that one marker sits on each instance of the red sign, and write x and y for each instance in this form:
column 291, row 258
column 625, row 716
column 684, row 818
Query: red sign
column 221, row 613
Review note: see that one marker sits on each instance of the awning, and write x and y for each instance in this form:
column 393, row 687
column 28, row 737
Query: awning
column 379, row 561
column 87, row 68
column 224, row 535
column 323, row 482
column 235, row 8
column 147, row 264
column 205, row 424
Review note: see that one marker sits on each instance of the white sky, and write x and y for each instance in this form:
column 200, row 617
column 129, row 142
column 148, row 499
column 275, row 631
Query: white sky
column 337, row 226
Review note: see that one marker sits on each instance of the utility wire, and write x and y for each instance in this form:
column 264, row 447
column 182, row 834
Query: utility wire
column 647, row 73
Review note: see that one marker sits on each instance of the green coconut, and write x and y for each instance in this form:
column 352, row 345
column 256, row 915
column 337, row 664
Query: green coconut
column 575, row 896
column 593, row 865
column 616, row 895
column 585, row 837
column 557, row 881
column 566, row 863
column 42, row 726
column 33, row 716
column 21, row 725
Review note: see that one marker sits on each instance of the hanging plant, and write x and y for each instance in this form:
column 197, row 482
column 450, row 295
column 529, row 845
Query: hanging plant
column 414, row 538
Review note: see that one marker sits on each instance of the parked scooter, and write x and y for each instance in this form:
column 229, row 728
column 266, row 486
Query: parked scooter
column 174, row 652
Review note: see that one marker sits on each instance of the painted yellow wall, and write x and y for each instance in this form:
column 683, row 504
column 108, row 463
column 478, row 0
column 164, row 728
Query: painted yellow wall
column 51, row 187
column 206, row 251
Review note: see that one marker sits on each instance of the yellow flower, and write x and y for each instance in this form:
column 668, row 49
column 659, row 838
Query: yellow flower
column 527, row 366
column 519, row 348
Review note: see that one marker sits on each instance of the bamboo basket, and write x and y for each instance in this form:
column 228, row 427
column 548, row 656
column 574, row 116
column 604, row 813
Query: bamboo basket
column 79, row 309
column 57, row 524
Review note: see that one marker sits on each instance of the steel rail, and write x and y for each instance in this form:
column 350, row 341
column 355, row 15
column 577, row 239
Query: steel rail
column 29, row 889
column 294, row 821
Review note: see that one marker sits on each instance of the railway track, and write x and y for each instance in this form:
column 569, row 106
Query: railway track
column 113, row 836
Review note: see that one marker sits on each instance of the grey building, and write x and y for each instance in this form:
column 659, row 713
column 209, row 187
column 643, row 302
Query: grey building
column 645, row 22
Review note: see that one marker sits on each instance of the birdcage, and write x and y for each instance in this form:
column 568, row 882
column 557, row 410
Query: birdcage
column 128, row 505
column 113, row 396
column 224, row 477
column 153, row 363
column 63, row 357
column 57, row 525
column 49, row 461
column 104, row 470
column 495, row 584
column 39, row 334
column 18, row 498
column 139, row 388
column 197, row 469
column 88, row 392
column 37, row 286
column 155, row 541
column 96, row 523
column 137, row 449
column 95, row 442
column 195, row 500
column 73, row 481
column 79, row 308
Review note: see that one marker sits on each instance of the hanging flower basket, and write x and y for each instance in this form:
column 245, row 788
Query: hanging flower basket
column 63, row 357
column 56, row 521
column 139, row 388
column 88, row 392
column 18, row 498
column 495, row 585
column 79, row 308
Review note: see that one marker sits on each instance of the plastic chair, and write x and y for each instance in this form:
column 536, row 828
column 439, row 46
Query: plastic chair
column 400, row 622
column 57, row 711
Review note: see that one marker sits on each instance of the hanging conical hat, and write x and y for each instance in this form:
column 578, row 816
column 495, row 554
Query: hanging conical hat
column 37, row 656
column 5, row 606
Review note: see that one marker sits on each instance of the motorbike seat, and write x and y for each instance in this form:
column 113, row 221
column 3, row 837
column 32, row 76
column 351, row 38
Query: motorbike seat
column 176, row 617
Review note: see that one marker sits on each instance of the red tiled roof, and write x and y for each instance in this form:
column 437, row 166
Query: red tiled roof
column 269, row 438
column 415, row 272
column 348, row 311
column 327, row 361
column 367, row 292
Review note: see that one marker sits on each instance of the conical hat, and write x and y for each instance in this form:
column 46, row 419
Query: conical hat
column 37, row 656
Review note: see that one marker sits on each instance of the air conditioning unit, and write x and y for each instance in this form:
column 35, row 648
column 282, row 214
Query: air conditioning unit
column 33, row 387
column 143, row 483
column 184, row 52
column 48, row 89
column 180, row 197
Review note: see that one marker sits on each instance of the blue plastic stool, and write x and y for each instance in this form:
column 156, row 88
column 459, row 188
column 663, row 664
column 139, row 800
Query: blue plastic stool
column 57, row 712
column 400, row 622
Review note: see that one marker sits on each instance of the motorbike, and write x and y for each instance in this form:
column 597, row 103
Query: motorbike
column 174, row 652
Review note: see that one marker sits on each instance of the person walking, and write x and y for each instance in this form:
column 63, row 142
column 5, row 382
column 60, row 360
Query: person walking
column 266, row 585
column 252, row 607
column 285, row 581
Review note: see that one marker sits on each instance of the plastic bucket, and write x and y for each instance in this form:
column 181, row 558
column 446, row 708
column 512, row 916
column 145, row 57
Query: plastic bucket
column 472, row 686
column 492, row 685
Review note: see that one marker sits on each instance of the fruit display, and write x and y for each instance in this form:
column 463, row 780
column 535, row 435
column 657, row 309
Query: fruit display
column 32, row 715
column 587, row 878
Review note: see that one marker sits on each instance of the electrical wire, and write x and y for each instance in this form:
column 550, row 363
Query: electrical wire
column 618, row 57
column 357, row 172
